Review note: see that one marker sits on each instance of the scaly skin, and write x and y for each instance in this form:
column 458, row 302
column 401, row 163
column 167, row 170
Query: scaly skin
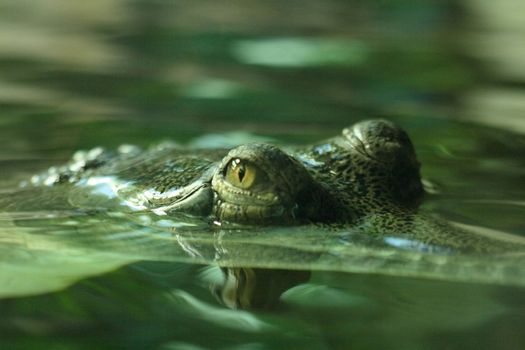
column 368, row 177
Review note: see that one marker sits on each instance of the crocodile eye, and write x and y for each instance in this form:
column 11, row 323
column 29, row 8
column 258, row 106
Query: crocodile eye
column 241, row 174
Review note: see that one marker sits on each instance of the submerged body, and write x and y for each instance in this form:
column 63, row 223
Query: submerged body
column 368, row 178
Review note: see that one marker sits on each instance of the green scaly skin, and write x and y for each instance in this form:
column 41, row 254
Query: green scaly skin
column 368, row 177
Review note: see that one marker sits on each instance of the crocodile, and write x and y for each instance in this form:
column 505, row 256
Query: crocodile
column 368, row 177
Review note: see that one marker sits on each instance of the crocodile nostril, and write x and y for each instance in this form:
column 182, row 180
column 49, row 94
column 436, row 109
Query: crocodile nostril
column 376, row 129
column 379, row 139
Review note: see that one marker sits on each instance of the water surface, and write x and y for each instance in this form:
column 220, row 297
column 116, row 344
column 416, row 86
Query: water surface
column 214, row 74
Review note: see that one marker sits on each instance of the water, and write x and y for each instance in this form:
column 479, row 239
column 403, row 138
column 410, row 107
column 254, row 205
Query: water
column 213, row 74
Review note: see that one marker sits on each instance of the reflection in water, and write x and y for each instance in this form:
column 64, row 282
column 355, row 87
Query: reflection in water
column 75, row 75
column 246, row 288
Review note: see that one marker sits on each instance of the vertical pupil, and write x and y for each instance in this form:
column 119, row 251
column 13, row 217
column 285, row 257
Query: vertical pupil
column 241, row 172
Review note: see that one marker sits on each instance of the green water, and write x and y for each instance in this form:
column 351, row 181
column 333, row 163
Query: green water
column 214, row 74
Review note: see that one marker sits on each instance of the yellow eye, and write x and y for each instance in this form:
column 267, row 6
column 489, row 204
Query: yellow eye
column 241, row 174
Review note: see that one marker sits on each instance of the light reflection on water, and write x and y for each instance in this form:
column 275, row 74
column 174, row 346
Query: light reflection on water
column 211, row 74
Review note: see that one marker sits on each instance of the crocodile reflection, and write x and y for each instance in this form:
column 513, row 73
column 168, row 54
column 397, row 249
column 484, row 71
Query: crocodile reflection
column 254, row 288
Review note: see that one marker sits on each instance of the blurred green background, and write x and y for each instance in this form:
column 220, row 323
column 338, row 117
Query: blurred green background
column 75, row 75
